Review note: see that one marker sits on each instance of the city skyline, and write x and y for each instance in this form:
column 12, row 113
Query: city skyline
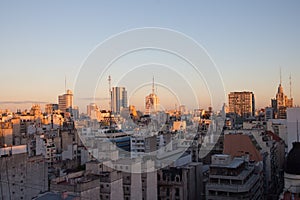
column 249, row 43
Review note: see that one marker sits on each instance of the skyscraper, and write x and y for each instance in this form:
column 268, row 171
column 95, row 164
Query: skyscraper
column 65, row 102
column 118, row 99
column 280, row 103
column 242, row 103
column 151, row 101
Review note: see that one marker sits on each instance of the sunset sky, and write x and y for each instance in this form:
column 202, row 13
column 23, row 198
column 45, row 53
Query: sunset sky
column 249, row 41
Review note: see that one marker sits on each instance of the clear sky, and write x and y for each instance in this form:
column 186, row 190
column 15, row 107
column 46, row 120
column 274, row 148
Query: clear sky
column 42, row 41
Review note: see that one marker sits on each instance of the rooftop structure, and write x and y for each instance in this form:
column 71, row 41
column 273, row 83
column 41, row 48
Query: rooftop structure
column 232, row 179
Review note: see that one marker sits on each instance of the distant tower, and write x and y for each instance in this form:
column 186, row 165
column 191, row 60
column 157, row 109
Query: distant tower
column 65, row 83
column 291, row 86
column 151, row 101
column 109, row 92
column 65, row 102
column 280, row 76
column 153, row 85
column 119, row 99
column 281, row 101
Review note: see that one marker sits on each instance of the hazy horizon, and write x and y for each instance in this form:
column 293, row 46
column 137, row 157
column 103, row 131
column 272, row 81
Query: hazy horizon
column 44, row 42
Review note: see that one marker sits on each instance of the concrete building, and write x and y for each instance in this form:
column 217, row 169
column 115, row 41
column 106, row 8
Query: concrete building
column 232, row 179
column 132, row 178
column 293, row 126
column 242, row 103
column 111, row 180
column 65, row 102
column 6, row 134
column 86, row 186
column 141, row 145
column 292, row 174
column 181, row 182
column 46, row 147
column 118, row 99
column 21, row 176
column 262, row 147
column 125, row 179
column 111, row 185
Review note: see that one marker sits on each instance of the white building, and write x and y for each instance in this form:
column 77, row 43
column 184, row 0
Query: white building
column 293, row 126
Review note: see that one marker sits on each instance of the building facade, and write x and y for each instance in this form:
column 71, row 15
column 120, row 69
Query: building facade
column 21, row 176
column 65, row 102
column 181, row 182
column 242, row 103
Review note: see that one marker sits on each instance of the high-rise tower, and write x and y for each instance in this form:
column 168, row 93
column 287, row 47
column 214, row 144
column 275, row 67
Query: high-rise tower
column 65, row 102
column 242, row 103
column 152, row 101
column 281, row 101
column 118, row 99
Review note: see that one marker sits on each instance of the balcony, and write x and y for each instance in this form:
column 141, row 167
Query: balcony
column 232, row 187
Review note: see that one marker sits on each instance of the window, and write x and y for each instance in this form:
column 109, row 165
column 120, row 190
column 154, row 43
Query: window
column 158, row 177
column 177, row 192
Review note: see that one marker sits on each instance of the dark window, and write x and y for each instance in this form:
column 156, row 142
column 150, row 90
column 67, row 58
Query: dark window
column 177, row 192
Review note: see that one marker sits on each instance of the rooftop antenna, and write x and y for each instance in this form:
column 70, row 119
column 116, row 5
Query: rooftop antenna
column 280, row 75
column 65, row 83
column 110, row 92
column 153, row 85
column 110, row 102
column 290, row 86
column 297, row 132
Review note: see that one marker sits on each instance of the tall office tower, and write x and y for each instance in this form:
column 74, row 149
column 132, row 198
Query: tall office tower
column 281, row 102
column 65, row 102
column 151, row 101
column 118, row 99
column 242, row 103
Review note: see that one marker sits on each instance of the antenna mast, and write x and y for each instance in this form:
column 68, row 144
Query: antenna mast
column 297, row 132
column 153, row 85
column 65, row 83
column 110, row 102
column 280, row 75
column 110, row 92
column 290, row 86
